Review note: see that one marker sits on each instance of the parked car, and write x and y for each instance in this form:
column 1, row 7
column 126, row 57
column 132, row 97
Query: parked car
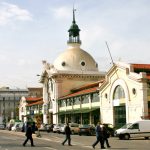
column 74, row 128
column 49, row 127
column 57, row 127
column 139, row 128
column 86, row 129
column 126, row 126
column 110, row 128
column 42, row 127
column 2, row 126
column 17, row 126
column 62, row 128
column 9, row 126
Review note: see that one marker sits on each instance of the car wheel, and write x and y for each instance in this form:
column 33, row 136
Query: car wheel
column 126, row 136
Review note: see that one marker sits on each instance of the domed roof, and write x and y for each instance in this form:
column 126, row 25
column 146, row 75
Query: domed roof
column 75, row 59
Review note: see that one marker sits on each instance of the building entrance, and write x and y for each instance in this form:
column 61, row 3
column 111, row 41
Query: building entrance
column 119, row 116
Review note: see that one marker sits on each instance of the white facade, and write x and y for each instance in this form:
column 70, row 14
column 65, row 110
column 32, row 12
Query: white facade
column 134, row 100
column 22, row 109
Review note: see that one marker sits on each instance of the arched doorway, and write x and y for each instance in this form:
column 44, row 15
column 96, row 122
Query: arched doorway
column 119, row 104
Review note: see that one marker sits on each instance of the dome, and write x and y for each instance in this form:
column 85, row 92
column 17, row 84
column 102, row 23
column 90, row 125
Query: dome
column 75, row 59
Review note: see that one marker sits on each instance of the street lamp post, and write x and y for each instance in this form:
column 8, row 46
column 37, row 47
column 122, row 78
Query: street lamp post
column 4, row 119
column 14, row 106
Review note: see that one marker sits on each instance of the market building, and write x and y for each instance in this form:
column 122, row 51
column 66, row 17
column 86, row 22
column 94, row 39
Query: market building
column 72, row 69
column 74, row 90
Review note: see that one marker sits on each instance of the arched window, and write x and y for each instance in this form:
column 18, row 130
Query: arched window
column 118, row 93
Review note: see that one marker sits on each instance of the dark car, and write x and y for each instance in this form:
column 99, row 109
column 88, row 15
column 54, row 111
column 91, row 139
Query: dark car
column 110, row 128
column 2, row 126
column 86, row 129
column 46, row 127
column 49, row 127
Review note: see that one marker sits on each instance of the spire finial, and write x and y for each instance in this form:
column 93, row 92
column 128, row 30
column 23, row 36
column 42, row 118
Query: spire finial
column 74, row 14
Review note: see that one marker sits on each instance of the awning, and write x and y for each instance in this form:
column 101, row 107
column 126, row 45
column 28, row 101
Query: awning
column 77, row 111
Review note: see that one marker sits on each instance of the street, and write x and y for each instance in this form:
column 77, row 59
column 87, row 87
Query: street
column 10, row 140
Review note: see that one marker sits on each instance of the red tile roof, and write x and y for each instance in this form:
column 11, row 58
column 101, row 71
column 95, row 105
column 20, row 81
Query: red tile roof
column 85, row 91
column 28, row 99
column 87, row 86
column 141, row 66
column 35, row 103
column 148, row 77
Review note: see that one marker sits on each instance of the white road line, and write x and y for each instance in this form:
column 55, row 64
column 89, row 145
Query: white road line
column 50, row 148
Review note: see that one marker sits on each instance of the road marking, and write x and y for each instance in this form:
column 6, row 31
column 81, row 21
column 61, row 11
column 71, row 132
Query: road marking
column 50, row 148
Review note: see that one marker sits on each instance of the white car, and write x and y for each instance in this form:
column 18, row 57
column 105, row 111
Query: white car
column 17, row 126
column 62, row 128
column 56, row 128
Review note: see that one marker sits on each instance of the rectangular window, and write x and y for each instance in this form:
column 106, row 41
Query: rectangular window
column 85, row 99
column 77, row 100
column 95, row 97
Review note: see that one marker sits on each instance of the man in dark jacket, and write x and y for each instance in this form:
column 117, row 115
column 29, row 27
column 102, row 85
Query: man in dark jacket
column 67, row 133
column 29, row 135
column 106, row 136
column 99, row 136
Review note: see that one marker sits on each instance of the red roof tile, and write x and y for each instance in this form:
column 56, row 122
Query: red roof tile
column 87, row 86
column 35, row 103
column 33, row 99
column 148, row 77
column 90, row 90
column 141, row 66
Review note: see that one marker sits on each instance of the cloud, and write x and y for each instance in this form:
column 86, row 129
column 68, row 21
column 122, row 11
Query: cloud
column 61, row 12
column 10, row 13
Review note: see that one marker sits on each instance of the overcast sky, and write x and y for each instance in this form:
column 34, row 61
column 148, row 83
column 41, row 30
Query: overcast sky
column 36, row 30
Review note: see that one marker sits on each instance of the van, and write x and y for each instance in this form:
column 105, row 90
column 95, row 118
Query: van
column 133, row 130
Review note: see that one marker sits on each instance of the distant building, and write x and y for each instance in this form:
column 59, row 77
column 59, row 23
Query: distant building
column 31, row 105
column 35, row 91
column 9, row 101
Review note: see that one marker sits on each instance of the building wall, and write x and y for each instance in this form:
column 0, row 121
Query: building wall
column 136, row 104
column 9, row 102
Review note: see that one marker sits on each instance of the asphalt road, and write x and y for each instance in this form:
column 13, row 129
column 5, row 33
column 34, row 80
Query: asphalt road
column 10, row 140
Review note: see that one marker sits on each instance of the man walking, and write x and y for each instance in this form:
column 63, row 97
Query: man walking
column 106, row 136
column 67, row 133
column 99, row 137
column 29, row 135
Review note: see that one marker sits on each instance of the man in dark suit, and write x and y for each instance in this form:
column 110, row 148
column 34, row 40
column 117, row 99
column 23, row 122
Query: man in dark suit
column 68, row 133
column 29, row 135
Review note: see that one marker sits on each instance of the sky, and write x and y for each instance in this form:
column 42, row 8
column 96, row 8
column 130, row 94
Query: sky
column 35, row 30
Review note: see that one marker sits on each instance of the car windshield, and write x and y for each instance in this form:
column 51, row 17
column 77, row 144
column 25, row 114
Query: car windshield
column 126, row 126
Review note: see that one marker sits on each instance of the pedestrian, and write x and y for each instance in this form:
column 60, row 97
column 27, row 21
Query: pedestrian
column 99, row 136
column 106, row 136
column 29, row 135
column 68, row 135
